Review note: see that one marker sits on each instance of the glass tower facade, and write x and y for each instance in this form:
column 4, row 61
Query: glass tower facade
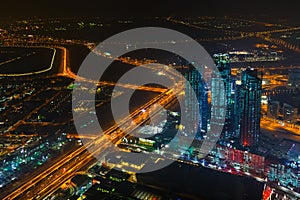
column 222, row 62
column 195, row 80
column 250, row 108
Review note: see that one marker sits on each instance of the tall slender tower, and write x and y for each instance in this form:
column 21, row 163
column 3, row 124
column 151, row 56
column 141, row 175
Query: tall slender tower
column 223, row 64
column 217, row 99
column 250, row 108
column 237, row 107
column 195, row 80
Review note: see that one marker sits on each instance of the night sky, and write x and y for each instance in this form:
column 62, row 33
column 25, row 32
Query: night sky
column 132, row 8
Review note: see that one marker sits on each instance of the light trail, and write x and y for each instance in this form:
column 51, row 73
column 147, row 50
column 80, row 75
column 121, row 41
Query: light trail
column 96, row 145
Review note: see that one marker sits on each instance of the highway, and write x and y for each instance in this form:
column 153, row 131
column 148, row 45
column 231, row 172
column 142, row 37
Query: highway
column 67, row 72
column 272, row 125
column 100, row 145
column 28, row 189
column 51, row 178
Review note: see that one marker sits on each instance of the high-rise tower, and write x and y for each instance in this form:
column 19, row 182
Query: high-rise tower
column 223, row 64
column 250, row 107
column 195, row 80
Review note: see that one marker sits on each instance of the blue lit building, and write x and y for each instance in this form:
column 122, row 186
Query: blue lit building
column 237, row 107
column 198, row 85
column 250, row 104
column 222, row 62
column 218, row 96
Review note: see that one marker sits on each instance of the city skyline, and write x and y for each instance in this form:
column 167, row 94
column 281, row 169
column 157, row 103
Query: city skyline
column 243, row 71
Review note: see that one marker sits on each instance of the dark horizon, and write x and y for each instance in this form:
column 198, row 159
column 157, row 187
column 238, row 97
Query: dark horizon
column 134, row 8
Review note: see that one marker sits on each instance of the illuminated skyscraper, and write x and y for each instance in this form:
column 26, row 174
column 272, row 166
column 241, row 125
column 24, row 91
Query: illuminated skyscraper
column 250, row 108
column 198, row 85
column 218, row 109
column 223, row 63
column 237, row 107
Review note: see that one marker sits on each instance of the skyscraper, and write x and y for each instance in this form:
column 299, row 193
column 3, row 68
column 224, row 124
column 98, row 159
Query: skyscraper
column 250, row 108
column 223, row 64
column 195, row 80
column 218, row 101
column 237, row 107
